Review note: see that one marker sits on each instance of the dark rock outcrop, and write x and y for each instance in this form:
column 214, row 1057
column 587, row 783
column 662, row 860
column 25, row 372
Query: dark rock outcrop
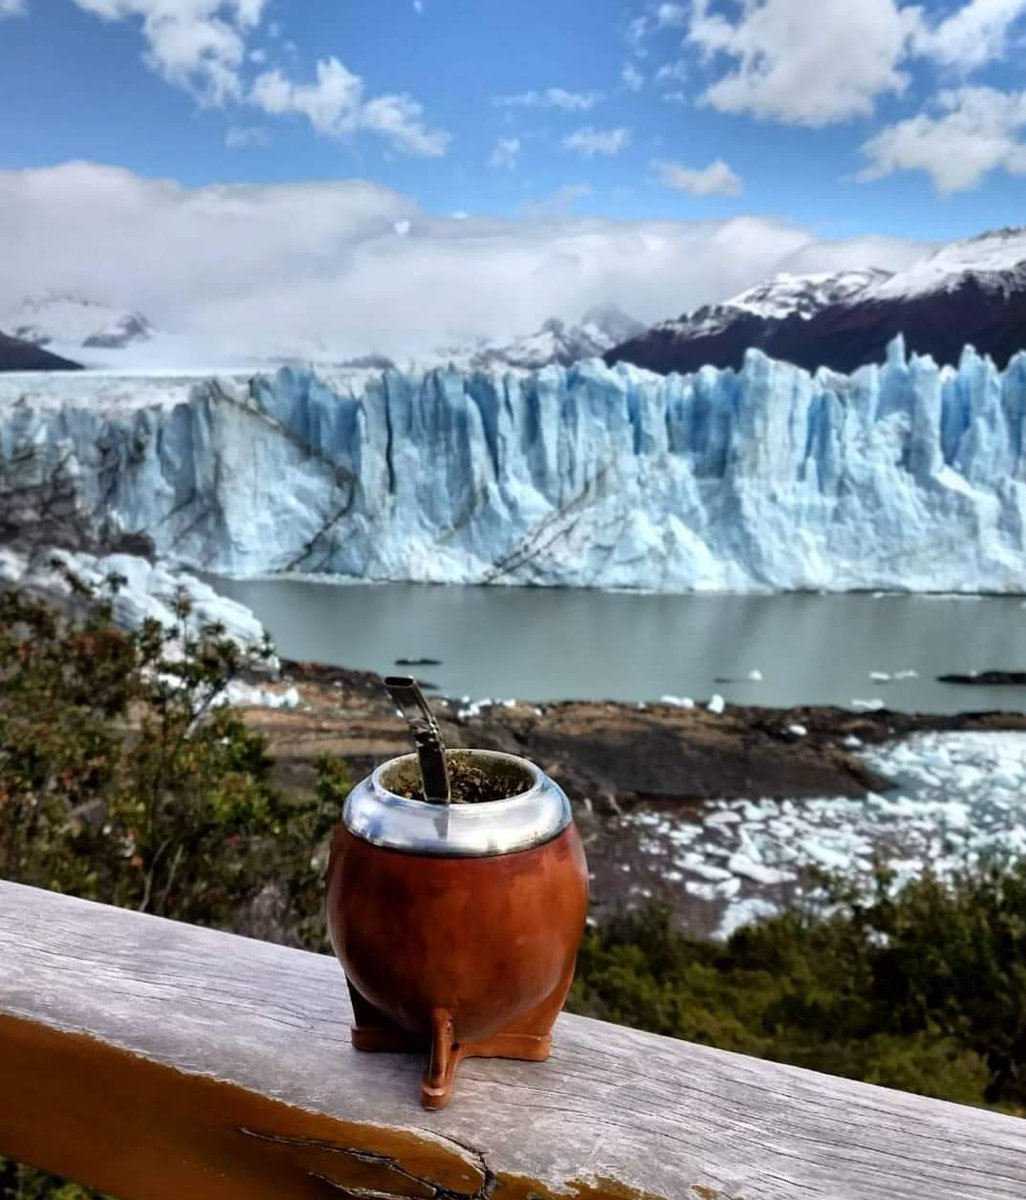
column 19, row 355
column 971, row 291
column 846, row 335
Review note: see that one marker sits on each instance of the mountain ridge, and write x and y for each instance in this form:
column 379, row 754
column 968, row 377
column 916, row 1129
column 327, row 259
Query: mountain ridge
column 969, row 291
column 16, row 354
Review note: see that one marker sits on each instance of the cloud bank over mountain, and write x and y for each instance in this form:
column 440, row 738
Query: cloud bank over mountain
column 353, row 266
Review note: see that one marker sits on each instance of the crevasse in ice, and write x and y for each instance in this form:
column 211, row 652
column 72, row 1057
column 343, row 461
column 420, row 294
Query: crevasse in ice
column 898, row 476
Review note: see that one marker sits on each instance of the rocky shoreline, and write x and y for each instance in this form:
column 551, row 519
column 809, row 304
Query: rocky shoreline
column 629, row 769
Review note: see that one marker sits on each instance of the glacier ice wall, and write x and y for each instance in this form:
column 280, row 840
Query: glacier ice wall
column 898, row 476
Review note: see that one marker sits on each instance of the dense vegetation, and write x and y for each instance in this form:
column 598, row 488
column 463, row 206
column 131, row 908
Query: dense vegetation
column 123, row 780
column 924, row 991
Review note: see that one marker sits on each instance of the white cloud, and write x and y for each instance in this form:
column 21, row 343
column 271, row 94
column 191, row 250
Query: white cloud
column 633, row 79
column 794, row 65
column 648, row 24
column 637, row 31
column 242, row 137
column 397, row 118
column 199, row 45
column 805, row 66
column 717, row 179
column 590, row 142
column 551, row 98
column 250, row 12
column 505, row 154
column 671, row 14
column 967, row 133
column 418, row 6
column 316, row 267
column 335, row 106
column 12, row 8
column 672, row 73
column 559, row 204
column 971, row 36
column 846, row 254
column 677, row 97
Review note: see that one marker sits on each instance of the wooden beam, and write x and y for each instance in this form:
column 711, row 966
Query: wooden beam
column 158, row 1061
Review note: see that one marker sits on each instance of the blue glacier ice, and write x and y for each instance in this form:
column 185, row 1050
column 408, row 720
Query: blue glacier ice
column 902, row 475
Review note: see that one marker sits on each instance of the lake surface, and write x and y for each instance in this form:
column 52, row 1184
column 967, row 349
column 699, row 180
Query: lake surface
column 549, row 644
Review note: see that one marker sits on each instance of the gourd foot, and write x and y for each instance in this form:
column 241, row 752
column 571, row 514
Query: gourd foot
column 375, row 1033
column 528, row 1038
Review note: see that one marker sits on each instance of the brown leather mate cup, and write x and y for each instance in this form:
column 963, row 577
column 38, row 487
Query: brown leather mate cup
column 457, row 925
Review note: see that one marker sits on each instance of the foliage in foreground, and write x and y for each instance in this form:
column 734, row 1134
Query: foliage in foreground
column 21, row 1182
column 924, row 990
column 122, row 781
column 122, row 778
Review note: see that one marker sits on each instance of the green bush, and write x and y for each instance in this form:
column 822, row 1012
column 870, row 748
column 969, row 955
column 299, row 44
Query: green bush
column 19, row 1182
column 123, row 781
column 924, row 990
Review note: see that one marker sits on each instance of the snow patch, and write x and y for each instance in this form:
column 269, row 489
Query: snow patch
column 148, row 591
column 247, row 695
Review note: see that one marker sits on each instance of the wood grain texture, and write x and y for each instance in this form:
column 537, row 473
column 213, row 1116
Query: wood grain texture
column 158, row 1060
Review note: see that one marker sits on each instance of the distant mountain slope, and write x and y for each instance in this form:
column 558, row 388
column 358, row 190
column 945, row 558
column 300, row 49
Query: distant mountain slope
column 103, row 337
column 67, row 321
column 969, row 291
column 106, row 338
column 556, row 342
column 19, row 355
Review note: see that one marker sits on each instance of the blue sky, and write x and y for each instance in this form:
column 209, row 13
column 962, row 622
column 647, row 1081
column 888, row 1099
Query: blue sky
column 651, row 97
column 391, row 174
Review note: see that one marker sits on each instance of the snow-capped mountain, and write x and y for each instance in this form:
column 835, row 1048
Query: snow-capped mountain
column 105, row 338
column 784, row 295
column 970, row 291
column 556, row 342
column 101, row 337
column 903, row 476
column 994, row 261
column 68, row 321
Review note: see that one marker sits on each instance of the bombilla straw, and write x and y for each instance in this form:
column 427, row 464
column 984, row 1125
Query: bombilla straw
column 434, row 771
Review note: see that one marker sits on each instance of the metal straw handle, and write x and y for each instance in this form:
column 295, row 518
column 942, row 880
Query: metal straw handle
column 434, row 771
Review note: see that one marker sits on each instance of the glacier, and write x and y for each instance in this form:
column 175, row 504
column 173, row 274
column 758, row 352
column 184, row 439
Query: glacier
column 900, row 476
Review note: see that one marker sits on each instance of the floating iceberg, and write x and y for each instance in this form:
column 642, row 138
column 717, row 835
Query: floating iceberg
column 902, row 476
column 964, row 803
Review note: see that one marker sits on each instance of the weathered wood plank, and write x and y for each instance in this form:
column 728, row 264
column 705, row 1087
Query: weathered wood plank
column 158, row 1060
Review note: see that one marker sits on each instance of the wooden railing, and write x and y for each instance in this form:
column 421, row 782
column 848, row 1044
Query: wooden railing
column 160, row 1061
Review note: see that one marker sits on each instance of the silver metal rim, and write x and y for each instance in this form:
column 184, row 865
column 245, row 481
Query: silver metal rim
column 376, row 815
